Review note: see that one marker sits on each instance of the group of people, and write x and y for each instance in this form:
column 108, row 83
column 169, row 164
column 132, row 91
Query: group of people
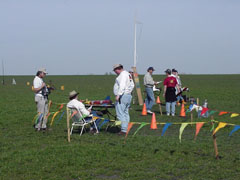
column 122, row 90
column 171, row 93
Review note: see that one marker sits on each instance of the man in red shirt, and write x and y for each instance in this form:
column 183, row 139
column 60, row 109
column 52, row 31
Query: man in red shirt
column 170, row 83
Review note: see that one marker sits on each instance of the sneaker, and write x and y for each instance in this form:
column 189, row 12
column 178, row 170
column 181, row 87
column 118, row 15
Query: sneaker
column 173, row 114
column 149, row 112
column 168, row 114
column 121, row 133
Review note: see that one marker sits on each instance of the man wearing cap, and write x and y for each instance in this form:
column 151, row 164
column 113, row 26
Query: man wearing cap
column 122, row 90
column 78, row 105
column 170, row 83
column 149, row 83
column 39, row 87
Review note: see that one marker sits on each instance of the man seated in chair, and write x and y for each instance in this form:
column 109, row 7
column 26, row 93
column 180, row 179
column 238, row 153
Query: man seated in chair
column 74, row 103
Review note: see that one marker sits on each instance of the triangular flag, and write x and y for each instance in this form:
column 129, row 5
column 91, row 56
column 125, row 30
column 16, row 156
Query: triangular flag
column 222, row 113
column 140, row 127
column 128, row 129
column 198, row 127
column 165, row 128
column 220, row 125
column 234, row 115
column 204, row 110
column 118, row 123
column 212, row 112
column 236, row 127
column 181, row 130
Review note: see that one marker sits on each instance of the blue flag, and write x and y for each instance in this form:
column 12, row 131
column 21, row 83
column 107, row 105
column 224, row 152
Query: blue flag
column 165, row 128
column 236, row 127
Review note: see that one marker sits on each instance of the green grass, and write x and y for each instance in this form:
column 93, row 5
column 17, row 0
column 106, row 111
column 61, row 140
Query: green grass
column 26, row 154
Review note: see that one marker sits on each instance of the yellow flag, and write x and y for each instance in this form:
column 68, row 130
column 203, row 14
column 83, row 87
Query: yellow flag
column 181, row 130
column 118, row 123
column 234, row 115
column 220, row 125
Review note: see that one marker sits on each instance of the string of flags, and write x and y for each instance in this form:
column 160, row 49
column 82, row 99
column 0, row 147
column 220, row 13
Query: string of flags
column 183, row 125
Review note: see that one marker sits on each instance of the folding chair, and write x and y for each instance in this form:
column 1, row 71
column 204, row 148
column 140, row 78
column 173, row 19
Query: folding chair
column 79, row 120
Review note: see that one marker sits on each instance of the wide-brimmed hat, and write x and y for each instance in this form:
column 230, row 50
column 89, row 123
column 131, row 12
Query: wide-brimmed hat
column 117, row 66
column 43, row 70
column 72, row 94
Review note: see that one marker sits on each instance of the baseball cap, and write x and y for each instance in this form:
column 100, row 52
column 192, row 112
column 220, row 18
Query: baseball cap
column 168, row 71
column 174, row 70
column 151, row 68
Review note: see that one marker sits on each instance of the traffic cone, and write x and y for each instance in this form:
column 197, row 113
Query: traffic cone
column 153, row 123
column 182, row 112
column 144, row 110
column 158, row 100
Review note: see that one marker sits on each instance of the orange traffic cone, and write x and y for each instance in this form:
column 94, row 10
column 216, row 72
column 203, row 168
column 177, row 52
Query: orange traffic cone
column 153, row 123
column 144, row 110
column 182, row 112
column 158, row 100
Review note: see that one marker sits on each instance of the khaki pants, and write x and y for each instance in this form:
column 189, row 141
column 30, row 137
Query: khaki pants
column 42, row 109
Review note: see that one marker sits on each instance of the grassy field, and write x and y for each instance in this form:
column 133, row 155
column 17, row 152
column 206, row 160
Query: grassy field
column 26, row 154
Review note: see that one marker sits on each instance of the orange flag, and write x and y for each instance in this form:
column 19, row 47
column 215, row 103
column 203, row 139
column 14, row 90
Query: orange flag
column 198, row 127
column 128, row 129
column 222, row 113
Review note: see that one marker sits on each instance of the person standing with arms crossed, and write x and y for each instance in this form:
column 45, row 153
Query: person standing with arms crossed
column 149, row 83
column 122, row 90
column 170, row 83
column 41, row 99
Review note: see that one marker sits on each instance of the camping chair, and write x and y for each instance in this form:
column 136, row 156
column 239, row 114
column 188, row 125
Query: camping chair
column 79, row 120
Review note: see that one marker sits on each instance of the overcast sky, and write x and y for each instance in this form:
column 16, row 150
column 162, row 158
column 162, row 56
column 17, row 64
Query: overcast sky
column 90, row 36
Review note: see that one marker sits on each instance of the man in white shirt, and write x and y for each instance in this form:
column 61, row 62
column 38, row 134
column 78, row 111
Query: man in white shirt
column 79, row 106
column 122, row 90
column 149, row 83
column 40, row 89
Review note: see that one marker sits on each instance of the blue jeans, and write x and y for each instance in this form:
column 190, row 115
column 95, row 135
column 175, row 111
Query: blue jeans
column 150, row 100
column 122, row 111
column 172, row 105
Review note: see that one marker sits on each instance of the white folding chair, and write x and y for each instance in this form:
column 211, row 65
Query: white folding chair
column 79, row 120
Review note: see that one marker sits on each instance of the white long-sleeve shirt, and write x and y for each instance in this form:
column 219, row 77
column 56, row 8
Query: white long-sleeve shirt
column 74, row 103
column 123, row 84
column 148, row 80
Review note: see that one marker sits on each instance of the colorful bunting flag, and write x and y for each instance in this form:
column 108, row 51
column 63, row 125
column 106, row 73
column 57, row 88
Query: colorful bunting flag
column 236, row 127
column 220, row 125
column 140, row 127
column 212, row 112
column 181, row 130
column 234, row 115
column 118, row 123
column 165, row 128
column 222, row 113
column 198, row 127
column 128, row 129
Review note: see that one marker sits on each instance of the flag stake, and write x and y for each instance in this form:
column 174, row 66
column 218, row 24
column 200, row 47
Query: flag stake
column 215, row 142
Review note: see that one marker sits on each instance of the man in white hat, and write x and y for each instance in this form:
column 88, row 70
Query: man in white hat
column 122, row 90
column 40, row 89
column 78, row 105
